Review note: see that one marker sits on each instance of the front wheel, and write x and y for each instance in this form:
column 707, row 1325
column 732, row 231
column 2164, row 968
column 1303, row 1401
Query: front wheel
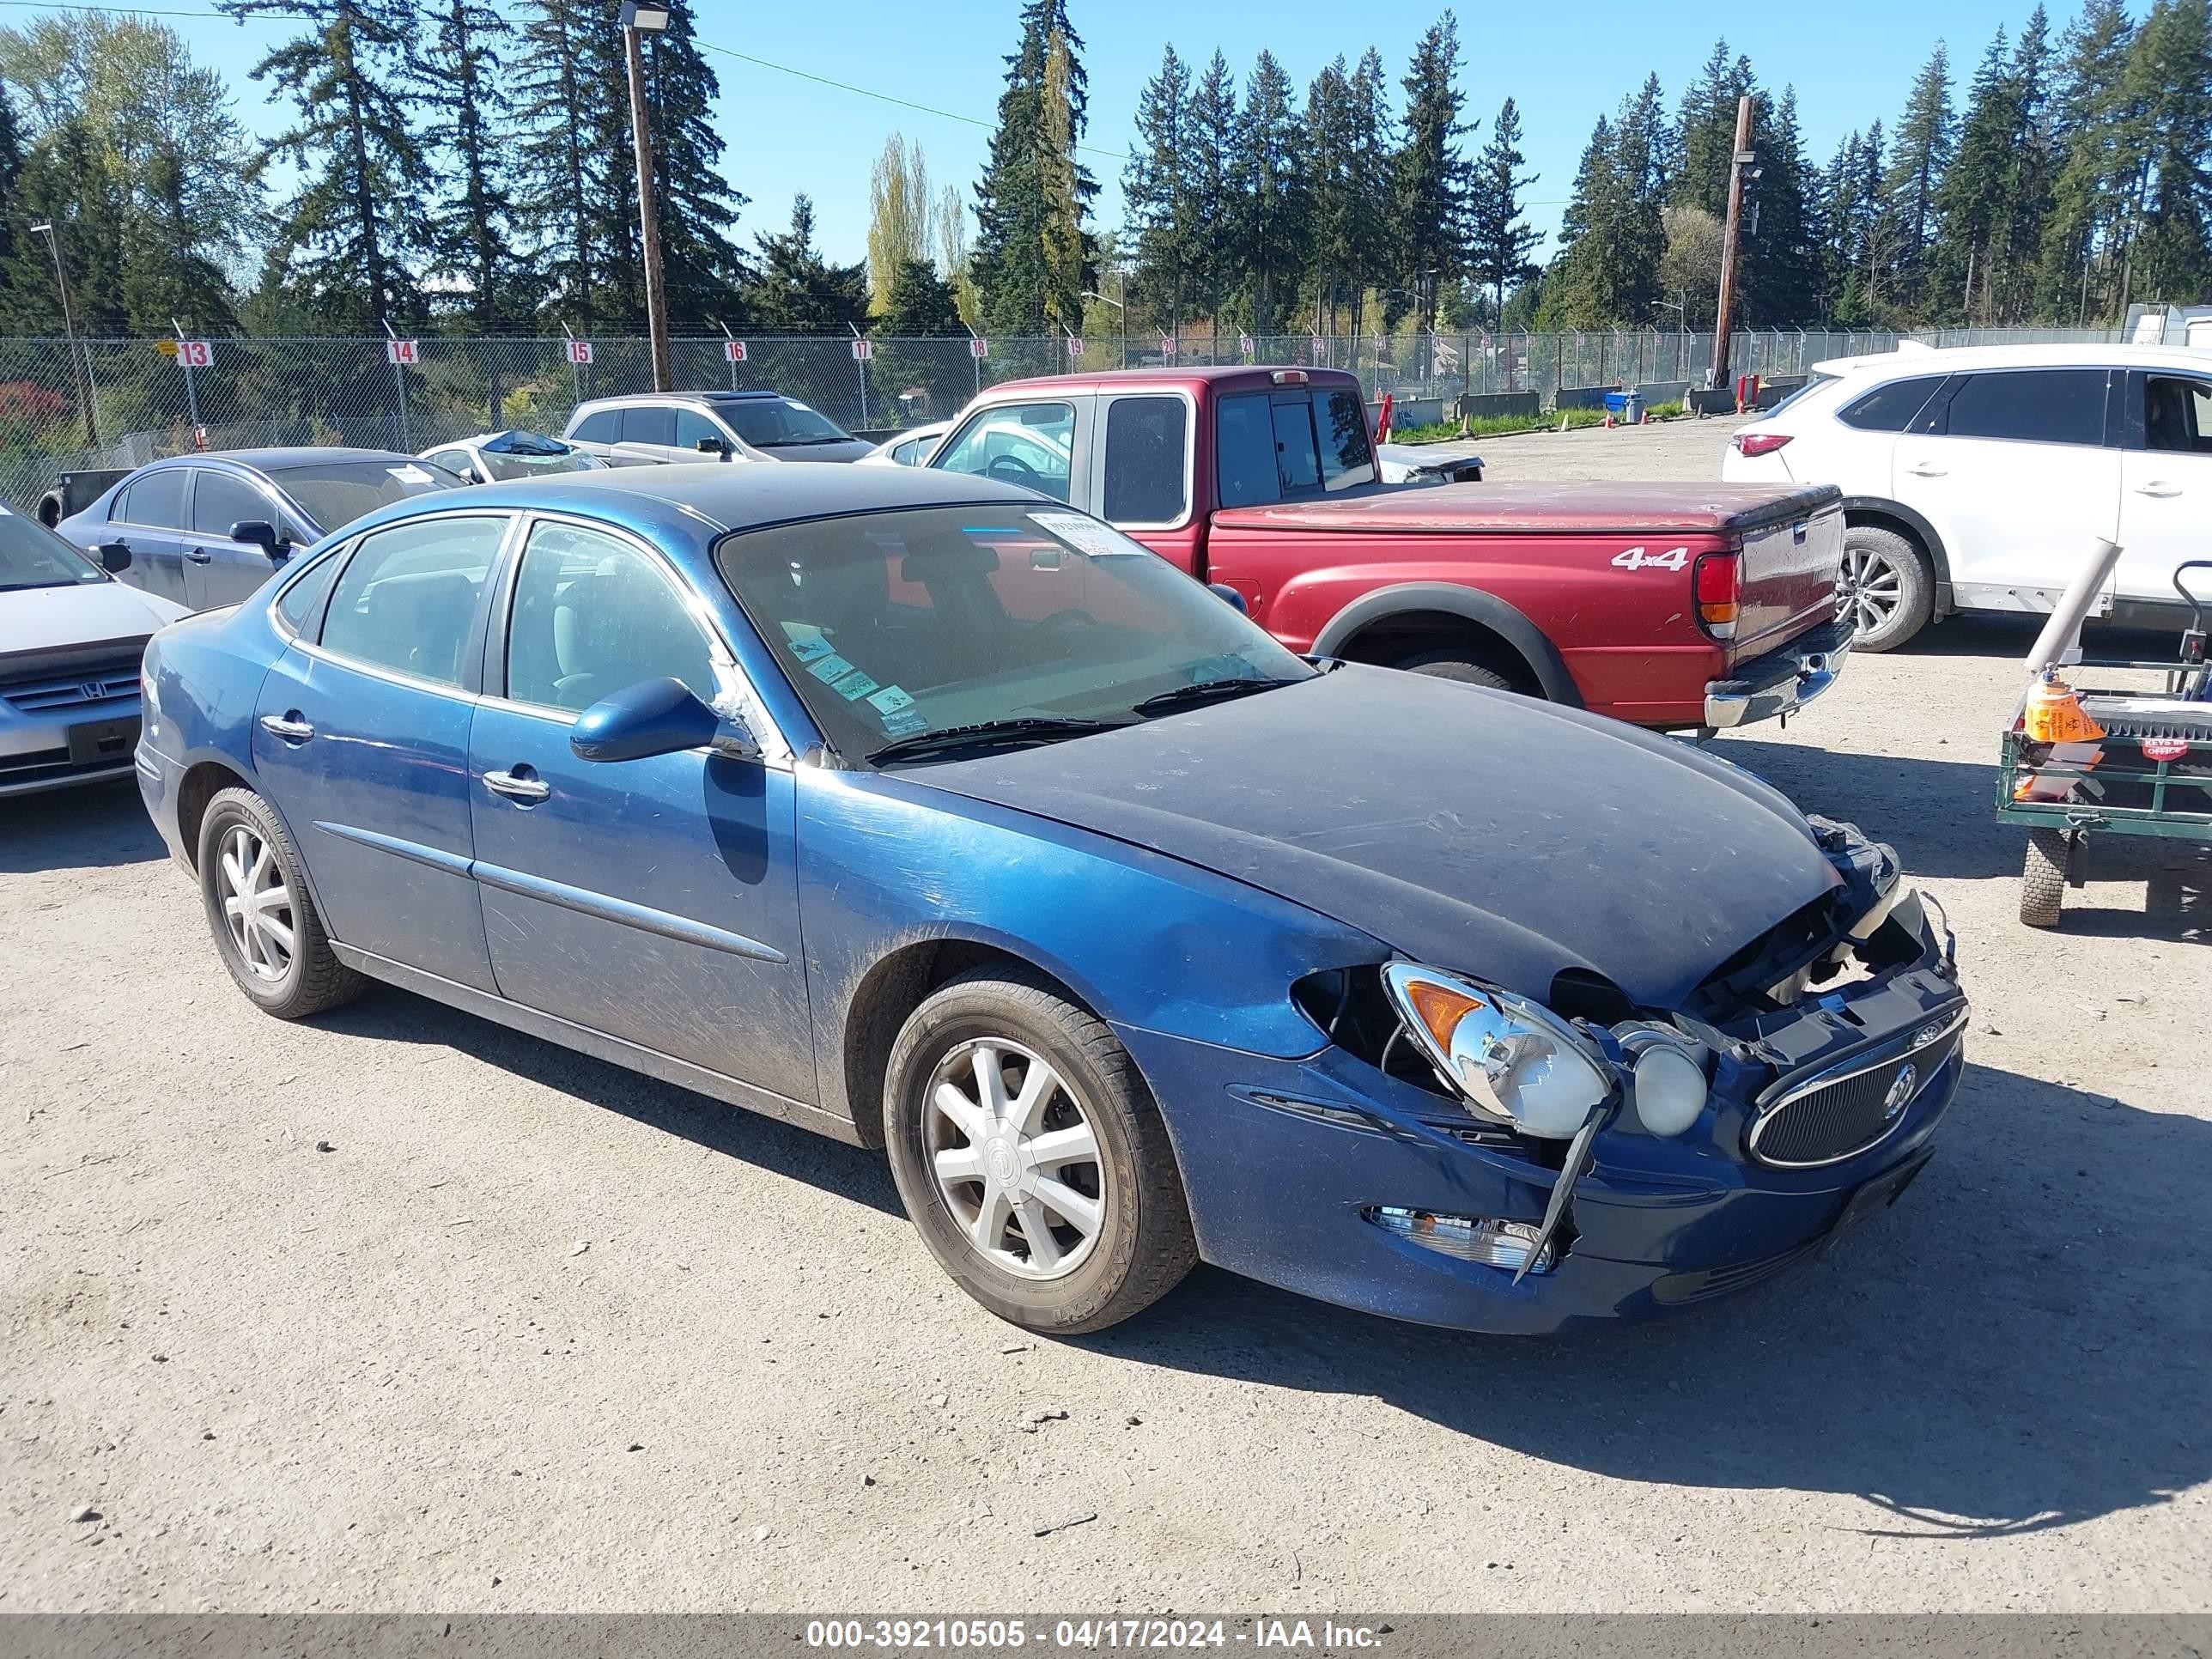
column 265, row 921
column 1030, row 1156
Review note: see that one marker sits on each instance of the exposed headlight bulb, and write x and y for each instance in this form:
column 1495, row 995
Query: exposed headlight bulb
column 1513, row 1060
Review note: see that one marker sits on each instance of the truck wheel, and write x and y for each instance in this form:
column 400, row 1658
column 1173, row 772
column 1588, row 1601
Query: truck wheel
column 2043, row 879
column 1029, row 1152
column 1446, row 665
column 1884, row 588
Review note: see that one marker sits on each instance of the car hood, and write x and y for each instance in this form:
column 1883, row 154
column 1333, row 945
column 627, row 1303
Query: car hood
column 84, row 613
column 850, row 449
column 1470, row 828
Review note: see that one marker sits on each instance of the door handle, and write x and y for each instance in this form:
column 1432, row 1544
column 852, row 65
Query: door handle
column 199, row 556
column 2159, row 488
column 288, row 725
column 1922, row 470
column 517, row 788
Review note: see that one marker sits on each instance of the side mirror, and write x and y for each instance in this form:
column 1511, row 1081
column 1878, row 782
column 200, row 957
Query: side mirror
column 714, row 446
column 259, row 532
column 114, row 556
column 1229, row 596
column 655, row 717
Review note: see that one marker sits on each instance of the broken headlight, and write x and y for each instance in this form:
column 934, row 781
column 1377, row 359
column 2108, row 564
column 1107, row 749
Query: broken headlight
column 1512, row 1060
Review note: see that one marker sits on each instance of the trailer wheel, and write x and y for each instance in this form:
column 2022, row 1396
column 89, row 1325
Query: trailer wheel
column 2043, row 877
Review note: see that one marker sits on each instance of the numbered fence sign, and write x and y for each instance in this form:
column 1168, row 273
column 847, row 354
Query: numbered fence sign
column 733, row 351
column 1074, row 345
column 863, row 349
column 1244, row 344
column 977, row 346
column 579, row 352
column 399, row 351
column 195, row 353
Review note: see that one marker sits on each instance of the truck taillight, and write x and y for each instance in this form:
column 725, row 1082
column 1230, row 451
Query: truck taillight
column 1748, row 444
column 1717, row 583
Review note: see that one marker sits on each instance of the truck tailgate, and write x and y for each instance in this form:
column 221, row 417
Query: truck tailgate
column 1788, row 577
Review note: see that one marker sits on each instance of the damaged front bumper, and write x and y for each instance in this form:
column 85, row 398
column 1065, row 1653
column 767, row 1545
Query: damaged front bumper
column 1302, row 1173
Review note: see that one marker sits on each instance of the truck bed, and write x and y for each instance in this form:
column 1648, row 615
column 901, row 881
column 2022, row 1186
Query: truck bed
column 1562, row 508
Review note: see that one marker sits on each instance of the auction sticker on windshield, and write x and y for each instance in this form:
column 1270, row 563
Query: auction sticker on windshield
column 1085, row 535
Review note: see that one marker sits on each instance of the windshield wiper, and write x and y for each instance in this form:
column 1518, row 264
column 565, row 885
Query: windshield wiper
column 796, row 443
column 22, row 587
column 1205, row 691
column 990, row 734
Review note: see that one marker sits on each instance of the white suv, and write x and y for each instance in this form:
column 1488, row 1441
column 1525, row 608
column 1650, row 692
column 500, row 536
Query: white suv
column 1974, row 479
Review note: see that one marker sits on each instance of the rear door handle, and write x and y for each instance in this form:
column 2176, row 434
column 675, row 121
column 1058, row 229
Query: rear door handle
column 2159, row 488
column 1922, row 470
column 199, row 556
column 517, row 788
column 288, row 726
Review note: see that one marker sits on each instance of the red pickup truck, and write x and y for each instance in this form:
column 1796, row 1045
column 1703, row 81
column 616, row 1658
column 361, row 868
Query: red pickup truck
column 1667, row 606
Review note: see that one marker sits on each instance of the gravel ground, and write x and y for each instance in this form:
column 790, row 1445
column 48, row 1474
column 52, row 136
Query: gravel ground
column 399, row 1311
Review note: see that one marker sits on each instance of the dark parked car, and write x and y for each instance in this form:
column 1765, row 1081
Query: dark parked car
column 206, row 530
column 933, row 816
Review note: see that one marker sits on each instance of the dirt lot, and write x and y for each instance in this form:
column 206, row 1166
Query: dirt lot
column 397, row 1310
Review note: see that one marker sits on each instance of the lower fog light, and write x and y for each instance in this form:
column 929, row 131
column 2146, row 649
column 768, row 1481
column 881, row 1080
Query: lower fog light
column 1670, row 1090
column 1470, row 1238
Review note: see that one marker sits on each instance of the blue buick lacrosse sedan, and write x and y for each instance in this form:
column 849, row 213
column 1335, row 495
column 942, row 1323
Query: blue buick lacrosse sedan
column 927, row 813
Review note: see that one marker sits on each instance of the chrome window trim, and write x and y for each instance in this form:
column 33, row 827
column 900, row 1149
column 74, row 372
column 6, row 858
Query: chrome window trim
column 776, row 748
column 1103, row 412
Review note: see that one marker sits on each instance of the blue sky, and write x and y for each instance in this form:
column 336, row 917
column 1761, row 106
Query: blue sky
column 1562, row 63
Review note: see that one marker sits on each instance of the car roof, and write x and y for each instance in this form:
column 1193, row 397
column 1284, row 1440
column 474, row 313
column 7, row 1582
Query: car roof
column 1917, row 358
column 276, row 461
column 1220, row 377
column 711, row 396
column 723, row 496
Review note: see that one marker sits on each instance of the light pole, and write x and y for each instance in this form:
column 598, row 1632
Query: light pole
column 78, row 363
column 639, row 16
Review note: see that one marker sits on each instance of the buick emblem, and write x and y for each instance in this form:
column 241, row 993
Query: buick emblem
column 1899, row 1092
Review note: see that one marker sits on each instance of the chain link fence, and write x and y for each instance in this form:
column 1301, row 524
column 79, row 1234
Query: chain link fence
column 147, row 401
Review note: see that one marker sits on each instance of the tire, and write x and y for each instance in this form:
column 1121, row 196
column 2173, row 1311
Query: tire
column 291, row 982
column 1450, row 666
column 2043, row 879
column 1885, row 585
column 1140, row 1244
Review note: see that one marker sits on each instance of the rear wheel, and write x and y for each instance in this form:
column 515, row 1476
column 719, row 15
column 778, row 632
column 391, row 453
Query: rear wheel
column 2043, row 877
column 1451, row 666
column 1031, row 1158
column 1884, row 588
column 265, row 925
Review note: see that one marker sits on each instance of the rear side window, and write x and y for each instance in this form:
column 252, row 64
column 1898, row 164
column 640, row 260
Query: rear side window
column 1342, row 421
column 601, row 426
column 2034, row 405
column 299, row 603
column 408, row 596
column 156, row 500
column 1244, row 452
column 1146, row 441
column 648, row 423
column 1890, row 408
column 2177, row 414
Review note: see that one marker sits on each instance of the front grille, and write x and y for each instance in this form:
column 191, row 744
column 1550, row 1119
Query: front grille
column 1831, row 1121
column 97, row 683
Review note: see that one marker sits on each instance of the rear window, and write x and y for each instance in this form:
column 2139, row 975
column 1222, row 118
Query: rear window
column 336, row 493
column 1344, row 446
column 1890, row 408
column 2035, row 405
column 1244, row 452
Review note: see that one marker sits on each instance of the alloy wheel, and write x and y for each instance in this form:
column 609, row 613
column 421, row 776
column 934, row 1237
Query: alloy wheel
column 1015, row 1158
column 1868, row 589
column 257, row 905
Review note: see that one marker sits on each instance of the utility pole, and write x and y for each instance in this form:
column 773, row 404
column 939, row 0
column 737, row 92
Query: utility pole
column 83, row 369
column 637, row 16
column 1742, row 159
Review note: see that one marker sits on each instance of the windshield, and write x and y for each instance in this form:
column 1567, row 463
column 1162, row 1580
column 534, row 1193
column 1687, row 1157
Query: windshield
column 336, row 493
column 779, row 422
column 32, row 555
column 894, row 624
column 535, row 464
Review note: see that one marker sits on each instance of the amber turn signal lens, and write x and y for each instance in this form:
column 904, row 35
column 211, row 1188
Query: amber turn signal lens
column 1440, row 1009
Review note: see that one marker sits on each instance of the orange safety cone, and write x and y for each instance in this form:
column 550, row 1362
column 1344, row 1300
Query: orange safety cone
column 2054, row 714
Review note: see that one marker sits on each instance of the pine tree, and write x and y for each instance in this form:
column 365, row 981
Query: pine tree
column 1332, row 185
column 920, row 305
column 1432, row 174
column 1211, row 129
column 2030, row 177
column 1917, row 162
column 573, row 160
column 473, row 228
column 796, row 290
column 700, row 263
column 1704, row 142
column 2169, row 93
column 353, row 228
column 1268, row 224
column 1374, row 170
column 2078, row 276
column 1780, row 259
column 1031, row 248
column 1613, row 234
column 1971, row 199
column 1160, row 196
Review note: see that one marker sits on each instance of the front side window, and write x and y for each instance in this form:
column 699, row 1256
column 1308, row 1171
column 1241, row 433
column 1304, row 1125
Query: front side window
column 1890, row 408
column 691, row 426
column 2177, row 414
column 155, row 500
column 220, row 500
column 336, row 493
column 407, row 597
column 1146, row 442
column 593, row 616
column 2035, row 405
column 898, row 623
column 1025, row 444
column 601, row 426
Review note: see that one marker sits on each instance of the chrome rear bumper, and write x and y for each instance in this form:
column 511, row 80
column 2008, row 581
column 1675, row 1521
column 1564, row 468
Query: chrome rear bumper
column 1781, row 682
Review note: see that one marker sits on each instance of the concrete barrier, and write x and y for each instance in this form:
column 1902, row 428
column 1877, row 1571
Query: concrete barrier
column 1581, row 397
column 1488, row 405
column 1655, row 392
